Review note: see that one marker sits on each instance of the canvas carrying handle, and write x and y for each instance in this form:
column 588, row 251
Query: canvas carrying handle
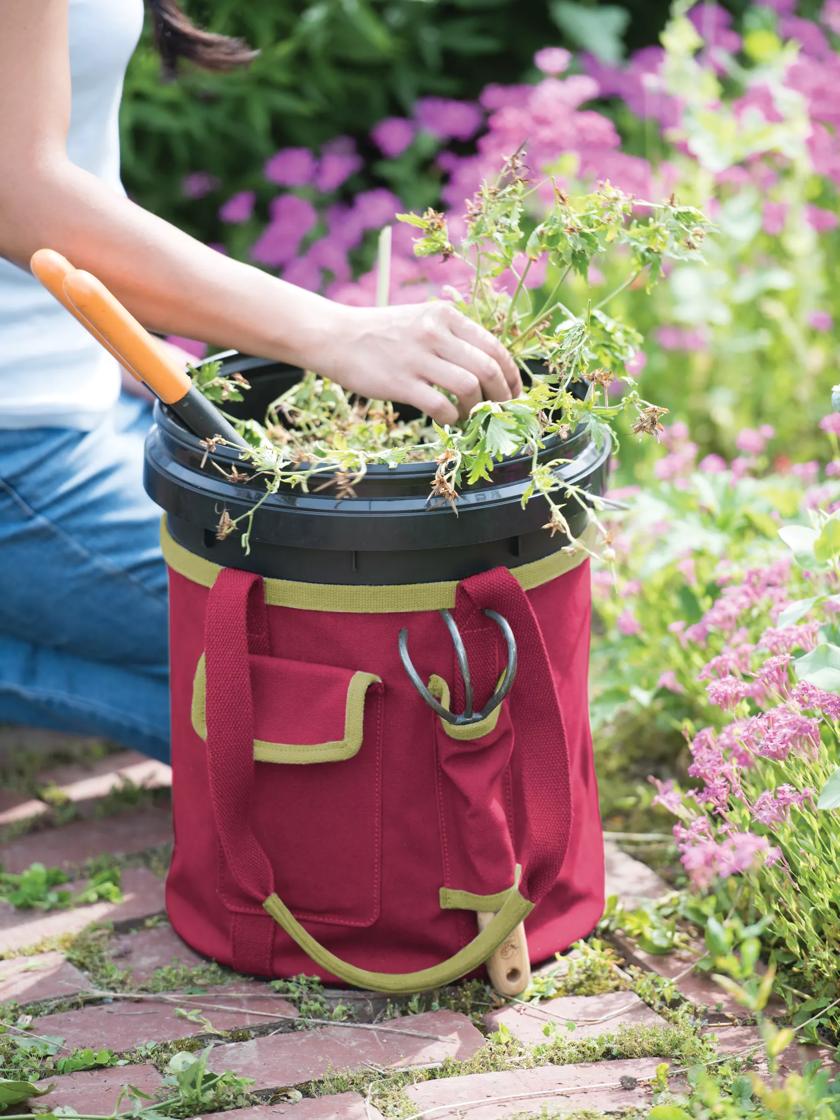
column 236, row 625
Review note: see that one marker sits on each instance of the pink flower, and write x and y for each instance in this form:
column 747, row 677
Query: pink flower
column 727, row 692
column 754, row 440
column 339, row 160
column 787, row 638
column 776, row 733
column 238, row 208
column 291, row 219
column 712, row 464
column 393, row 135
column 772, row 807
column 773, row 676
column 814, row 699
column 681, row 338
column 774, row 216
column 667, row 795
column 628, row 624
column 447, row 118
column 291, row 167
column 191, row 345
column 552, row 60
column 706, row 860
column 820, row 219
column 375, row 208
column 637, row 363
column 820, row 321
column 831, row 423
column 668, row 680
column 198, row 183
column 831, row 15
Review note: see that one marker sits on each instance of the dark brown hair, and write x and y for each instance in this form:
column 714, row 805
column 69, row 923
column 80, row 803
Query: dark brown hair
column 177, row 37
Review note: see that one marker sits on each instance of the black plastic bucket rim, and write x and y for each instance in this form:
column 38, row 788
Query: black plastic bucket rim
column 388, row 532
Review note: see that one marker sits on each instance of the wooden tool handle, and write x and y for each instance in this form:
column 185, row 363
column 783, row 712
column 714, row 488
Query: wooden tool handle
column 51, row 268
column 509, row 968
column 132, row 343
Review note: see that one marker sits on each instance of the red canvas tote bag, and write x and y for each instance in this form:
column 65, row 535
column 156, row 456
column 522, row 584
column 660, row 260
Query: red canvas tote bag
column 329, row 821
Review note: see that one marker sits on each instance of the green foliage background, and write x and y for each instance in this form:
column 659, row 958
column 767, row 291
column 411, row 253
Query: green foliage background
column 331, row 67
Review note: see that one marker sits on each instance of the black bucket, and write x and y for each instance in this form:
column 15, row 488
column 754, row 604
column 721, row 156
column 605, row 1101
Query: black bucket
column 388, row 533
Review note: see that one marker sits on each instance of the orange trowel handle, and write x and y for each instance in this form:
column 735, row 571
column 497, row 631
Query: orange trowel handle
column 52, row 269
column 132, row 343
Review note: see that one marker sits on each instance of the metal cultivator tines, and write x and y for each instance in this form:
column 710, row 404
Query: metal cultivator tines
column 468, row 716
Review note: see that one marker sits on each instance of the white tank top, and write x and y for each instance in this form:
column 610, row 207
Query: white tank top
column 52, row 373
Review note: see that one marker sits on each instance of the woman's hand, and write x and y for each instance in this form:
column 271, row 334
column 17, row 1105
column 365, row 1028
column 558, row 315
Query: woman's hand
column 408, row 353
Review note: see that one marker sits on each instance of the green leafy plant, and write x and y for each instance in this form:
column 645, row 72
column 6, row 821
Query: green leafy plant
column 570, row 358
column 39, row 888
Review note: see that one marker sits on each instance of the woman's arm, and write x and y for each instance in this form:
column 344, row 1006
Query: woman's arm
column 176, row 285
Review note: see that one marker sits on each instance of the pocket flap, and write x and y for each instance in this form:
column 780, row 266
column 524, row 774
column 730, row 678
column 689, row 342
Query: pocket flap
column 303, row 712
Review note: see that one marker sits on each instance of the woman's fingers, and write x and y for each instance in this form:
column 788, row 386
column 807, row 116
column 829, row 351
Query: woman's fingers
column 481, row 339
column 431, row 402
column 481, row 375
column 453, row 375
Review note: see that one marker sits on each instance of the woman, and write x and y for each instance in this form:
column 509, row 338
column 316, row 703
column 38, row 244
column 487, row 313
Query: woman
column 83, row 609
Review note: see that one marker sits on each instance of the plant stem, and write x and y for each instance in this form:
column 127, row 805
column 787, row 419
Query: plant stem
column 515, row 297
column 630, row 279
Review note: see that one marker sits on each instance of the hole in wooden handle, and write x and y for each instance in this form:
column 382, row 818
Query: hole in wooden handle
column 509, row 968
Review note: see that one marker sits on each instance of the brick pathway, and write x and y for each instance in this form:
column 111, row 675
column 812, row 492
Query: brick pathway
column 113, row 976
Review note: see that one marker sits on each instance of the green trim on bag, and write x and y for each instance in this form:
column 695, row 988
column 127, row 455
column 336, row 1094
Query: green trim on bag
column 440, row 690
column 454, row 899
column 301, row 754
column 514, row 910
column 373, row 599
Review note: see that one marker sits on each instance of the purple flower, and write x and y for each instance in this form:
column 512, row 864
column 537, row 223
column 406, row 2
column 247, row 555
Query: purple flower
column 304, row 273
column 375, row 208
column 820, row 321
column 447, row 118
column 831, row 15
column 291, row 167
column 831, row 423
column 291, row 219
column 239, row 208
column 393, row 135
column 552, row 60
column 637, row 363
column 198, row 183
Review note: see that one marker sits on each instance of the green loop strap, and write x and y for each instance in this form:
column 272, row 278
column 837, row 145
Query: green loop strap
column 514, row 910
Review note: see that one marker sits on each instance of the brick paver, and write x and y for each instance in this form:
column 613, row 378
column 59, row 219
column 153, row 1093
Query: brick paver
column 574, row 1017
column 341, row 1106
column 746, row 1042
column 629, row 878
column 143, row 951
column 557, row 1089
column 79, row 783
column 72, row 845
column 47, row 976
column 698, row 987
column 291, row 1059
column 124, row 1024
column 15, row 807
column 142, row 897
column 96, row 1090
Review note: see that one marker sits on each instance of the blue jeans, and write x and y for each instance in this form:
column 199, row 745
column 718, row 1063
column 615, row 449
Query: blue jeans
column 83, row 614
